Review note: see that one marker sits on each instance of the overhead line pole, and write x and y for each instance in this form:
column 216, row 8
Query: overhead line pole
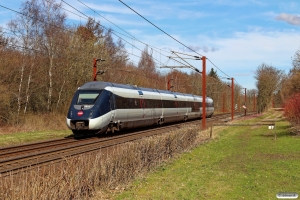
column 95, row 73
column 203, row 58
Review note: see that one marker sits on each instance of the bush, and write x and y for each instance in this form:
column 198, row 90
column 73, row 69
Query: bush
column 292, row 109
column 79, row 177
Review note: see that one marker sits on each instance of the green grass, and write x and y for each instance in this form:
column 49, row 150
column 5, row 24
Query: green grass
column 242, row 163
column 27, row 137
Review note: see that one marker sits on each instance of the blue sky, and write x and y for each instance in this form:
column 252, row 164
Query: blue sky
column 236, row 35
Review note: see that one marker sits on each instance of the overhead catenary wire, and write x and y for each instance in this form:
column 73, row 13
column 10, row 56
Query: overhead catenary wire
column 114, row 32
column 69, row 30
column 130, row 36
column 160, row 28
column 170, row 35
column 218, row 68
column 98, row 23
column 40, row 51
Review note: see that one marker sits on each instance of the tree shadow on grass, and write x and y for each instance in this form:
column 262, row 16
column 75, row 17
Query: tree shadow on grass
column 273, row 120
column 283, row 131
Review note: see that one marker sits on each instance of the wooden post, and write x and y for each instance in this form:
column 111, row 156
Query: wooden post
column 275, row 130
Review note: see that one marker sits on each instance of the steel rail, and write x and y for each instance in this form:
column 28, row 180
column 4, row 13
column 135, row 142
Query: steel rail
column 51, row 152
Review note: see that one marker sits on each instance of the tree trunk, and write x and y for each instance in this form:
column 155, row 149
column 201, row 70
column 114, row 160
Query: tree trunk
column 60, row 92
column 50, row 82
column 19, row 92
column 28, row 86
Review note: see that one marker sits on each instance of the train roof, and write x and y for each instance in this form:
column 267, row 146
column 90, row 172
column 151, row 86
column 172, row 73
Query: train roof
column 98, row 85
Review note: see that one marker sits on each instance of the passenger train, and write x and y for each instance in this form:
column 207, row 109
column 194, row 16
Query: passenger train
column 102, row 107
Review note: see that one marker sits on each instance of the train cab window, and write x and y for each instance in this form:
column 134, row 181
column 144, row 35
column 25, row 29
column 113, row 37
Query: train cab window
column 88, row 97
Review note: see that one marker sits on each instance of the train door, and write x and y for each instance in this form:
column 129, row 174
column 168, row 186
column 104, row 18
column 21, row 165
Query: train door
column 159, row 108
column 112, row 103
column 176, row 106
column 153, row 111
column 143, row 111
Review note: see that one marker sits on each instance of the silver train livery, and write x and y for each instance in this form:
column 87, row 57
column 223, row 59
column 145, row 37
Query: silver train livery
column 102, row 107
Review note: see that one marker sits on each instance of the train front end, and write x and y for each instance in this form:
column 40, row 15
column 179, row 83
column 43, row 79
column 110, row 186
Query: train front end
column 89, row 111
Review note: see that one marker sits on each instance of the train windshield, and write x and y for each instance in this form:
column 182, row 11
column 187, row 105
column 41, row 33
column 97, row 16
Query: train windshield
column 88, row 97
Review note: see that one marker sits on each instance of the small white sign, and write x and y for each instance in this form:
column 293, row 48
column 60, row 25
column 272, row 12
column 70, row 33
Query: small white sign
column 271, row 127
column 287, row 195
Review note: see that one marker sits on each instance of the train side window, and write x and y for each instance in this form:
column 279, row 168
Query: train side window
column 149, row 103
column 142, row 103
column 135, row 103
column 168, row 104
column 159, row 104
column 153, row 103
column 181, row 104
column 165, row 104
column 119, row 102
column 146, row 103
column 112, row 101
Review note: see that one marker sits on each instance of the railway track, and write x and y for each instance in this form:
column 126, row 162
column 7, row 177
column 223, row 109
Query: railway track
column 18, row 158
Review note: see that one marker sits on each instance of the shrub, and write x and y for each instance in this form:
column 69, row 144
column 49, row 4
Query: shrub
column 292, row 109
column 79, row 177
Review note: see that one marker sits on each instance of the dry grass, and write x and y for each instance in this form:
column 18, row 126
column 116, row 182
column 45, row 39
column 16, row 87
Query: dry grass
column 80, row 177
column 40, row 122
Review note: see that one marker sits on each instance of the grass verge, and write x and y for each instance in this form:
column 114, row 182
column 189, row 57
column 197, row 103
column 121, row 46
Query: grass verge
column 34, row 128
column 27, row 137
column 241, row 163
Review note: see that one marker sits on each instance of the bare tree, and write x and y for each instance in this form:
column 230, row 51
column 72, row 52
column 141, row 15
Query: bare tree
column 53, row 25
column 24, row 29
column 268, row 79
column 291, row 82
column 147, row 63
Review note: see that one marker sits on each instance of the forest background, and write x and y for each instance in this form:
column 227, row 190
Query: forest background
column 43, row 60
